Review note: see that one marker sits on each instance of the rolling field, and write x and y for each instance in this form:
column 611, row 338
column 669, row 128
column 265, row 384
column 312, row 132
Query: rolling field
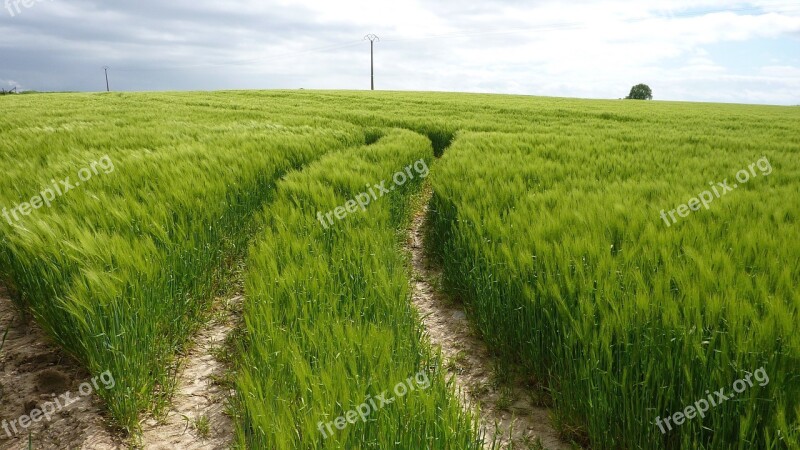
column 635, row 262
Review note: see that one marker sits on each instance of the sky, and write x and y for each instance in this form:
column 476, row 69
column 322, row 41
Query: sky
column 687, row 50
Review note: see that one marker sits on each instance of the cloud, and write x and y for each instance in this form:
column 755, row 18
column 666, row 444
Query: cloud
column 10, row 84
column 585, row 48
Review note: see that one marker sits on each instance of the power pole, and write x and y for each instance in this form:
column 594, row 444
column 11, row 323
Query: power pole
column 106, row 69
column 372, row 39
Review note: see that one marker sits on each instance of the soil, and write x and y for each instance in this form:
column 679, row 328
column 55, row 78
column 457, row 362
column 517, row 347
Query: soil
column 198, row 417
column 34, row 372
column 508, row 411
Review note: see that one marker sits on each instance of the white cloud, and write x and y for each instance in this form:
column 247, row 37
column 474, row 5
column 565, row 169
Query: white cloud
column 586, row 48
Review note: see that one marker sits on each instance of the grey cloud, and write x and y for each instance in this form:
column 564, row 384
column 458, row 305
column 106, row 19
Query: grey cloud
column 214, row 44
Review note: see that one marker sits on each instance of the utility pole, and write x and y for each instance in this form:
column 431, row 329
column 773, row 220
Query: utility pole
column 106, row 69
column 372, row 39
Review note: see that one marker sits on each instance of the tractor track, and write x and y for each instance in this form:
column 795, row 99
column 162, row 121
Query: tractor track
column 508, row 413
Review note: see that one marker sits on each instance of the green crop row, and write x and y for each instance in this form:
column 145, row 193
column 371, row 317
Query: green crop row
column 121, row 269
column 567, row 268
column 328, row 320
column 547, row 222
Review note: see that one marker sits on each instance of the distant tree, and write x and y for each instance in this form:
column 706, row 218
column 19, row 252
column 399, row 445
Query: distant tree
column 640, row 92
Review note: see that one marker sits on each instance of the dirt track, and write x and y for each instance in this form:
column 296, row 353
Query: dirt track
column 33, row 372
column 199, row 396
column 508, row 412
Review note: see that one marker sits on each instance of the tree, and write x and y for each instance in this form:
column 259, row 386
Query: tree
column 640, row 92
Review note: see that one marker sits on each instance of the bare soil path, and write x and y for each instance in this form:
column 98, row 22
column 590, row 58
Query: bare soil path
column 198, row 417
column 508, row 410
column 33, row 373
